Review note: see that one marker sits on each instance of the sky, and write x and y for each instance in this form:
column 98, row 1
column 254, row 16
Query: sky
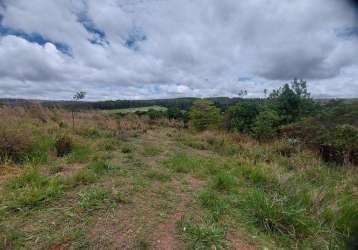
column 145, row 49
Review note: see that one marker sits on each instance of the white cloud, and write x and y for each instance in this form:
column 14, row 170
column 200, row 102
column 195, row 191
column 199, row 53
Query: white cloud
column 169, row 48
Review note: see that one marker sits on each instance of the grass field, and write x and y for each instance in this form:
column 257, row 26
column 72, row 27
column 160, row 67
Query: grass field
column 141, row 186
column 133, row 110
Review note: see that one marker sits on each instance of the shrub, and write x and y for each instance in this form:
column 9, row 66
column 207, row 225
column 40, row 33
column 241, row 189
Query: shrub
column 347, row 140
column 266, row 125
column 204, row 115
column 63, row 145
column 241, row 116
column 287, row 147
column 15, row 144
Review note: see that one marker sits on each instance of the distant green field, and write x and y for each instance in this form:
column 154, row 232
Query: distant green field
column 133, row 110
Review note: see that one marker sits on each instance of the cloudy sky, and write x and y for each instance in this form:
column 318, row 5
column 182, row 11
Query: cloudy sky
column 140, row 49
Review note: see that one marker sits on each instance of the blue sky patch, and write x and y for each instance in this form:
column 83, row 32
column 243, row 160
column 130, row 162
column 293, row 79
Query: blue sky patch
column 99, row 36
column 245, row 78
column 134, row 38
column 35, row 38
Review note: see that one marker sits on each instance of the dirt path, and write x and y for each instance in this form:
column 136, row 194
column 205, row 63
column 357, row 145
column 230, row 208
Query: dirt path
column 166, row 236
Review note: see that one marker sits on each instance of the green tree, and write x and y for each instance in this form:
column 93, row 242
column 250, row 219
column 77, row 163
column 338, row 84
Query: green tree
column 347, row 140
column 77, row 97
column 292, row 102
column 241, row 116
column 204, row 115
column 266, row 125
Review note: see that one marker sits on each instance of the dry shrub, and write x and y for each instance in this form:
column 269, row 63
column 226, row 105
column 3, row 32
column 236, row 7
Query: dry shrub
column 39, row 113
column 286, row 147
column 63, row 145
column 105, row 122
column 132, row 123
column 15, row 143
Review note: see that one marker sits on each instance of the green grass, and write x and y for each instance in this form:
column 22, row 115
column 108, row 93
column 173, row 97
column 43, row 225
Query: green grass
column 133, row 110
column 182, row 163
column 201, row 236
column 31, row 190
column 214, row 202
column 224, row 182
column 101, row 167
column 79, row 154
column 151, row 150
column 10, row 238
column 158, row 175
column 95, row 198
column 83, row 177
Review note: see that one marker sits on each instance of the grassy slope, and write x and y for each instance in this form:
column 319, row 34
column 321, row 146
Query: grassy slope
column 170, row 188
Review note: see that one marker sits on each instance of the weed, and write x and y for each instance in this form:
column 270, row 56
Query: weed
column 31, row 190
column 142, row 244
column 258, row 177
column 157, row 175
column 214, row 202
column 182, row 163
column 279, row 215
column 224, row 182
column 56, row 168
column 90, row 132
column 126, row 149
column 94, row 198
column 84, row 177
column 151, row 150
column 79, row 154
column 202, row 236
column 196, row 144
column 29, row 178
column 120, row 197
column 100, row 167
column 10, row 238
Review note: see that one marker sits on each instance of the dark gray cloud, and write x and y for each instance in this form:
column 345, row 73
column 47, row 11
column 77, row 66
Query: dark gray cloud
column 169, row 48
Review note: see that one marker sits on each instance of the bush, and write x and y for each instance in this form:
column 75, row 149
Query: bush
column 266, row 125
column 242, row 116
column 204, row 115
column 15, row 144
column 63, row 145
